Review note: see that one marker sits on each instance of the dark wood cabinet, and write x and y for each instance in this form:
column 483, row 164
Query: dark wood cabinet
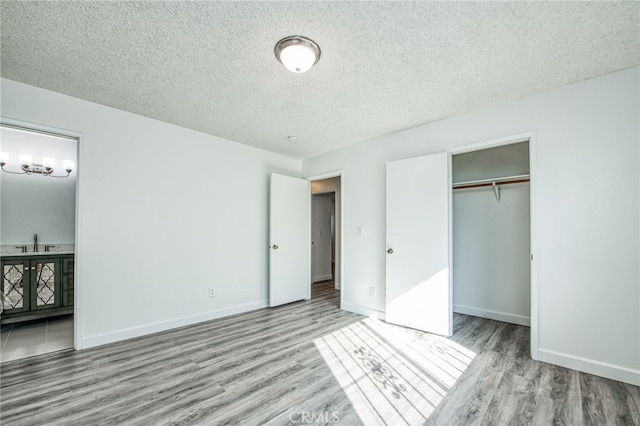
column 36, row 286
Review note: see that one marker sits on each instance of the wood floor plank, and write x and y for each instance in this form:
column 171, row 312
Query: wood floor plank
column 473, row 333
column 559, row 399
column 510, row 339
column 605, row 400
column 514, row 400
column 468, row 401
column 272, row 366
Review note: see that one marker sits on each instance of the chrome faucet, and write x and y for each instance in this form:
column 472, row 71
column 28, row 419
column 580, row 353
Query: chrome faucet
column 35, row 243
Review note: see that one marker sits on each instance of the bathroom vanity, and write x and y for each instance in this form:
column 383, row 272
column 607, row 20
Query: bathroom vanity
column 36, row 284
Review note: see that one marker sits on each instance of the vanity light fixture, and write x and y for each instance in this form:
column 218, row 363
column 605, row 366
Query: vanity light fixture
column 29, row 167
column 297, row 53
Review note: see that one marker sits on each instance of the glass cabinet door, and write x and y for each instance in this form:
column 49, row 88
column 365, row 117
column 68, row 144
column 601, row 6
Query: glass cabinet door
column 45, row 288
column 14, row 286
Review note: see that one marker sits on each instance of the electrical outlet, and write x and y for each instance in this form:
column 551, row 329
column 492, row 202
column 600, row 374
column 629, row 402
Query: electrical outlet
column 212, row 292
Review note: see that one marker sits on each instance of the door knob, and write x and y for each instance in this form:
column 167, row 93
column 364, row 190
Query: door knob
column 275, row 247
column 390, row 251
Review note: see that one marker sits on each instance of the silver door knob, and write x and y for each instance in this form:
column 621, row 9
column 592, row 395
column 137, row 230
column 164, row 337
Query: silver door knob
column 275, row 247
column 390, row 251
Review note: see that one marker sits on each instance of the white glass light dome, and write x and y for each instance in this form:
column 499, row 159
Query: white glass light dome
column 298, row 54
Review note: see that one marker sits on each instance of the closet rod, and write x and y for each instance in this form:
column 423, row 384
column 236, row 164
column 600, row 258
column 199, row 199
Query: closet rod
column 490, row 182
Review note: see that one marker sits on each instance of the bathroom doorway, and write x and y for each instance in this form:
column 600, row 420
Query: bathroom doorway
column 37, row 241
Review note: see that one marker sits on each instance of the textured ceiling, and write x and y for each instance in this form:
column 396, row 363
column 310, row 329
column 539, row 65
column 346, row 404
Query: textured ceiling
column 385, row 66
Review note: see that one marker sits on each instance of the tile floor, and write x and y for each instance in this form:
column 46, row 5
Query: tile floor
column 37, row 337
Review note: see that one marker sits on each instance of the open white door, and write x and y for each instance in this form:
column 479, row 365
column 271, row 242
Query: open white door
column 290, row 240
column 418, row 251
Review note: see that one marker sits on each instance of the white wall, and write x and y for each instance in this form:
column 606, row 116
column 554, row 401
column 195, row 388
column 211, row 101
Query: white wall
column 34, row 204
column 491, row 268
column 164, row 214
column 321, row 207
column 586, row 190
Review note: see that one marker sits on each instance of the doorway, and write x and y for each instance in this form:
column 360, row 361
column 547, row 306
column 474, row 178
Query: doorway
column 37, row 241
column 326, row 265
column 491, row 233
column 322, row 237
column 290, row 270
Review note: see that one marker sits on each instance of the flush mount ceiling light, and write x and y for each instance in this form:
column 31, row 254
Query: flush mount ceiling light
column 297, row 53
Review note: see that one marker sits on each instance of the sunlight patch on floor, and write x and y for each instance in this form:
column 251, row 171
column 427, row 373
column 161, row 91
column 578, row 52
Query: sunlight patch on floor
column 393, row 375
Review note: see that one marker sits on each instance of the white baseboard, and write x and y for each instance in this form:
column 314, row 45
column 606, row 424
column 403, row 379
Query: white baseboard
column 322, row 278
column 337, row 285
column 129, row 333
column 372, row 313
column 603, row 369
column 494, row 315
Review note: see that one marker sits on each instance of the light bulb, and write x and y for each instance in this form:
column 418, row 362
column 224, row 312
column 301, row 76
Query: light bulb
column 25, row 159
column 68, row 165
column 297, row 58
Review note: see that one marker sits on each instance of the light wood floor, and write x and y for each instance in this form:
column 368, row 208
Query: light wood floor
column 311, row 363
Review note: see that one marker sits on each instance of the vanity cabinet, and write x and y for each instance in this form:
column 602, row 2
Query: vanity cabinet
column 36, row 286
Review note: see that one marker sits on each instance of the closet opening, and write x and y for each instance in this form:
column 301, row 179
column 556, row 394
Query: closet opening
column 491, row 226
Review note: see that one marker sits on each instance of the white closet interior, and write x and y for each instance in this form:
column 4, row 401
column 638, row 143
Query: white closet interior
column 491, row 233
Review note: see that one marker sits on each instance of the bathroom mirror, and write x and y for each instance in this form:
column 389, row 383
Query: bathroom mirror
column 37, row 203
